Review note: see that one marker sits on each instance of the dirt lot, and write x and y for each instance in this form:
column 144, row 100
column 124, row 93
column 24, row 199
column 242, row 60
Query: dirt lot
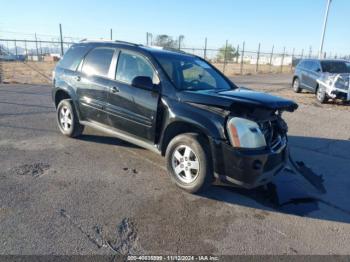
column 27, row 73
column 41, row 72
column 99, row 195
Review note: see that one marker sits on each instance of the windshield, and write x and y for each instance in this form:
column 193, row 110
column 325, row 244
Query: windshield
column 335, row 67
column 191, row 73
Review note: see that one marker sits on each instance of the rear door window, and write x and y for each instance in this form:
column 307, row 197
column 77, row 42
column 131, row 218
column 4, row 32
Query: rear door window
column 98, row 62
column 314, row 66
column 73, row 56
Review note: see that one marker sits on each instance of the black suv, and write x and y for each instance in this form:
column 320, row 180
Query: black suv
column 177, row 105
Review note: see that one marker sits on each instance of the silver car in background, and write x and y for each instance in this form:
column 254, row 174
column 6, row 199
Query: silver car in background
column 328, row 79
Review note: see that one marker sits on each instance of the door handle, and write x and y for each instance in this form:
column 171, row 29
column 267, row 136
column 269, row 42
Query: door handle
column 78, row 78
column 114, row 89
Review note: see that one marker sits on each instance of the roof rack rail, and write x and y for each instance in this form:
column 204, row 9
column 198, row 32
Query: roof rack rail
column 169, row 49
column 95, row 40
column 109, row 41
column 127, row 43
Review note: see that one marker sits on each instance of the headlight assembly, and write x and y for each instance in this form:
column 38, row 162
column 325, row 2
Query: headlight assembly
column 244, row 133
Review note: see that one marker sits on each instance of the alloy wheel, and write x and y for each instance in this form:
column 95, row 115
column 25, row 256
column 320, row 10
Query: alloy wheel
column 296, row 84
column 185, row 164
column 66, row 119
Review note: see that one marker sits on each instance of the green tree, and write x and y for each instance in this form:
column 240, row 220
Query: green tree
column 168, row 41
column 231, row 53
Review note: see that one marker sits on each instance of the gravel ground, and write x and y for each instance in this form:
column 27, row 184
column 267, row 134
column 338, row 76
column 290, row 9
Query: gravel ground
column 99, row 195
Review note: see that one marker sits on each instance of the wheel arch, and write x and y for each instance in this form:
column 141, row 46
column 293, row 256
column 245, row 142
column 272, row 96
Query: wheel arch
column 61, row 94
column 317, row 87
column 64, row 91
column 177, row 128
column 294, row 78
column 179, row 117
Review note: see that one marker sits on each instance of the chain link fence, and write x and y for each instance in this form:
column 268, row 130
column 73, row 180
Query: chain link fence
column 32, row 61
column 29, row 61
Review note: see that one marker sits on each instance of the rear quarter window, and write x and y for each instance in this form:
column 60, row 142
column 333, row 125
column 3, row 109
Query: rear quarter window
column 73, row 57
column 301, row 64
column 98, row 62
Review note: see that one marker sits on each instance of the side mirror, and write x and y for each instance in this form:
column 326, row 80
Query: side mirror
column 144, row 82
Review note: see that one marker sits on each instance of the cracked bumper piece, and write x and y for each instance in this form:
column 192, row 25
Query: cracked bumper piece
column 247, row 168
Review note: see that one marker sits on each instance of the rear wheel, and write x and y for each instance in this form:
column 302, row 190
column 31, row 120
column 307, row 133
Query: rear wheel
column 188, row 162
column 67, row 119
column 321, row 95
column 296, row 85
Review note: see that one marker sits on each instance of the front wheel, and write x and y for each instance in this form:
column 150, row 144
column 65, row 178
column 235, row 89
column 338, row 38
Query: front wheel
column 189, row 162
column 321, row 95
column 67, row 119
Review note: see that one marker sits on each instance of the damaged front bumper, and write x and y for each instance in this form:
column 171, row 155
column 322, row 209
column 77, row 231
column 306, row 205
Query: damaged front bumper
column 248, row 168
column 336, row 86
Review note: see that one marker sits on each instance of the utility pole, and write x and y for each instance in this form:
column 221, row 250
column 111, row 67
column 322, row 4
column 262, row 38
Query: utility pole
column 324, row 29
column 61, row 36
column 111, row 34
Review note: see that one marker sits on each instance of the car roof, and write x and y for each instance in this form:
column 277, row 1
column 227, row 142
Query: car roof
column 324, row 60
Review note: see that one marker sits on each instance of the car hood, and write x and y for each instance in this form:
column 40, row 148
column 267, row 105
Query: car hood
column 228, row 99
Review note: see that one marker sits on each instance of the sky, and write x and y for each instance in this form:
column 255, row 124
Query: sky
column 282, row 23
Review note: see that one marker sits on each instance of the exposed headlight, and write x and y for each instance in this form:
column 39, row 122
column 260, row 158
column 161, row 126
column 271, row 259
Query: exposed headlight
column 244, row 133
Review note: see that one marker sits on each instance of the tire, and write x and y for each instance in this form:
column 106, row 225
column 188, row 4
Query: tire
column 321, row 95
column 296, row 85
column 67, row 119
column 192, row 180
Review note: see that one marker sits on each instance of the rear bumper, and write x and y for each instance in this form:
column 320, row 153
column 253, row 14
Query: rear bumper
column 247, row 168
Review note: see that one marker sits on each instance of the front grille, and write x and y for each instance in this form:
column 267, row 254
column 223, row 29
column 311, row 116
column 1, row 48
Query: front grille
column 274, row 132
